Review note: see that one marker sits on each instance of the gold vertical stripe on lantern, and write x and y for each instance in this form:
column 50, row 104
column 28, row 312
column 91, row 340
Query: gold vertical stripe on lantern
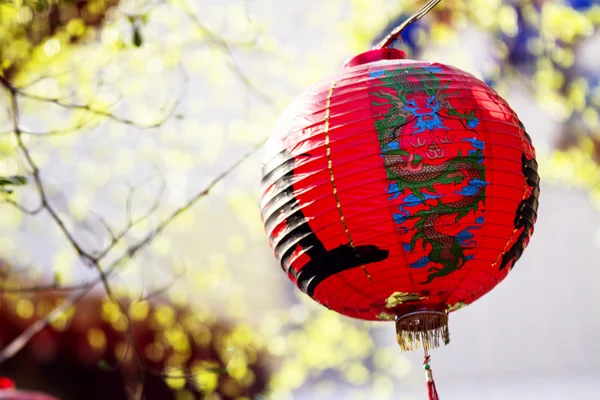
column 332, row 177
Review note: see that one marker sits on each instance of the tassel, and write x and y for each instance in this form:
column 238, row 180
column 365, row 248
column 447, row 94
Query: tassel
column 428, row 329
column 431, row 390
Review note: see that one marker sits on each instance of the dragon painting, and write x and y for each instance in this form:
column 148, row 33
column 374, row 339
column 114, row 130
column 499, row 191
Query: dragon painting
column 412, row 126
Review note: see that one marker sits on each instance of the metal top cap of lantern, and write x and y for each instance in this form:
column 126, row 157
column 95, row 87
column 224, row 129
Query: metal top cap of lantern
column 373, row 55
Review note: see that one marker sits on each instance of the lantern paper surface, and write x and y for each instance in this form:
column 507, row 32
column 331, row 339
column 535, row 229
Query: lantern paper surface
column 398, row 186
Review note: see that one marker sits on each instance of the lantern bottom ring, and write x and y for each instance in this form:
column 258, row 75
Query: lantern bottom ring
column 426, row 329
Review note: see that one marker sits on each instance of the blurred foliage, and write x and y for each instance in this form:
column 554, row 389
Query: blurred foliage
column 106, row 121
column 190, row 351
column 7, row 183
column 33, row 30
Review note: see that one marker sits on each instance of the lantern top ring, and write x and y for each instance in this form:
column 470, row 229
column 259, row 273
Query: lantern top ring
column 386, row 53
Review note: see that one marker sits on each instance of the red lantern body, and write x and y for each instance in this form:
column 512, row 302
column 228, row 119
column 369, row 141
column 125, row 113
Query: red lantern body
column 399, row 187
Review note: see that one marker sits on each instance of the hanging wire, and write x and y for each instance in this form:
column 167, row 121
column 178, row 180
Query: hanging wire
column 393, row 35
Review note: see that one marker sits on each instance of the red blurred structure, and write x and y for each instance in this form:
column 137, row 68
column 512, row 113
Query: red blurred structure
column 87, row 355
column 9, row 392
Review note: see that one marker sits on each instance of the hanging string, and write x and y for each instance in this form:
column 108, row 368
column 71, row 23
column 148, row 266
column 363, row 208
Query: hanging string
column 431, row 390
column 395, row 34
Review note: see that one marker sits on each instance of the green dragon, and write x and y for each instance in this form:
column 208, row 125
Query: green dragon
column 419, row 103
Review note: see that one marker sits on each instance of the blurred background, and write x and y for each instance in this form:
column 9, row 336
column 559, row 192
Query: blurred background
column 130, row 136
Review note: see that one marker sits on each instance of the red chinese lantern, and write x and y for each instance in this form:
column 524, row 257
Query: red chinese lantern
column 399, row 190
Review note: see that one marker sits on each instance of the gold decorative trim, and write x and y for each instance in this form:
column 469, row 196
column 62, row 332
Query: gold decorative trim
column 422, row 329
column 456, row 306
column 386, row 316
column 398, row 298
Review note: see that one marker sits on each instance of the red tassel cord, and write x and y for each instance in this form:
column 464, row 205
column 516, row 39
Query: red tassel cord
column 431, row 390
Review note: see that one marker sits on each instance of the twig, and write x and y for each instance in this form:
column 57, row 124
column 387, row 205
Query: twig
column 193, row 200
column 60, row 132
column 44, row 288
column 35, row 170
column 101, row 113
column 39, row 79
column 170, row 110
column 131, row 223
column 226, row 49
column 21, row 208
column 162, row 290
column 24, row 337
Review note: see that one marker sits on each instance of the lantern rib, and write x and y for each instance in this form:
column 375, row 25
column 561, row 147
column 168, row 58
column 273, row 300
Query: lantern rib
column 276, row 211
column 381, row 208
column 357, row 85
column 341, row 127
column 307, row 138
column 490, row 261
column 367, row 155
column 273, row 195
column 267, row 206
column 377, row 236
column 285, row 250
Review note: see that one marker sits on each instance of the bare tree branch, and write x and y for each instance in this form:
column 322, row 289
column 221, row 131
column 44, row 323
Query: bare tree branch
column 226, row 49
column 131, row 223
column 24, row 337
column 100, row 113
column 35, row 170
column 81, row 124
column 45, row 288
column 164, row 289
column 22, row 208
column 41, row 78
column 94, row 261
column 193, row 200
column 106, row 226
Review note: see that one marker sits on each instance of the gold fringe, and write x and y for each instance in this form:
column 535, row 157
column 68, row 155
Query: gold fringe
column 422, row 329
